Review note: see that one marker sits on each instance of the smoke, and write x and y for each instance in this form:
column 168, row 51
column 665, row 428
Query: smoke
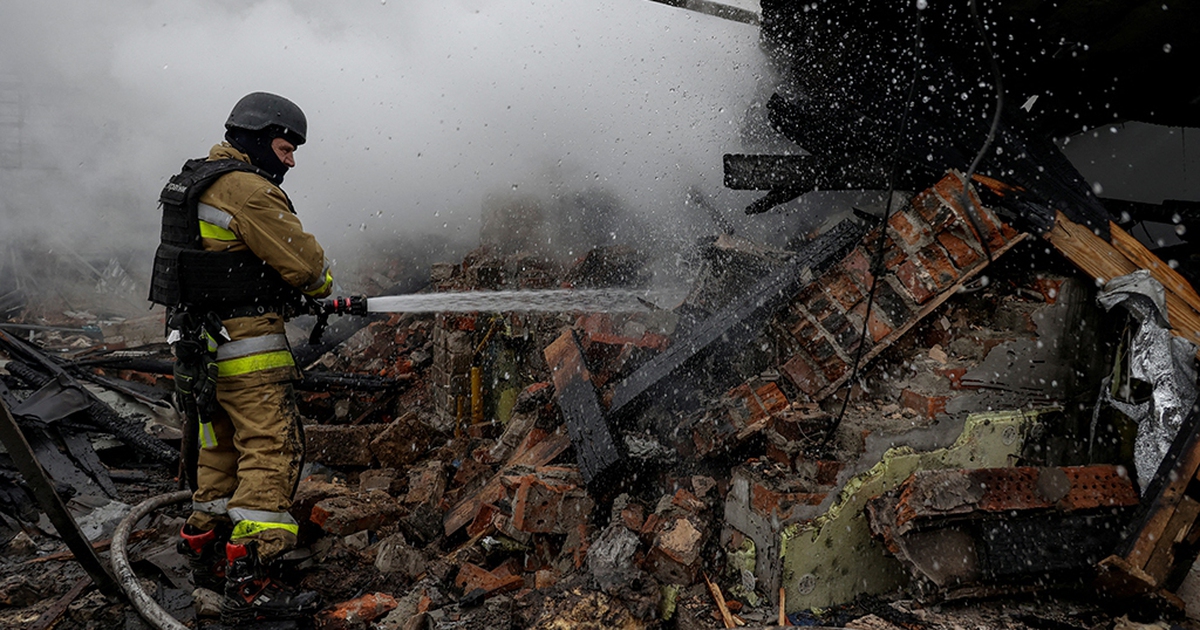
column 417, row 110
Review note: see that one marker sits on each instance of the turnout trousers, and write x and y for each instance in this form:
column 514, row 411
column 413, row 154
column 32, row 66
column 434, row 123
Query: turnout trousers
column 249, row 478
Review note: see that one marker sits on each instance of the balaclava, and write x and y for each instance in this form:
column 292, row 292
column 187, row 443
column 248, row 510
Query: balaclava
column 257, row 145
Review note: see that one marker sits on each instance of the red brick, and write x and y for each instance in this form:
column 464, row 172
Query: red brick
column 908, row 231
column 954, row 375
column 472, row 578
column 929, row 207
column 802, row 374
column 633, row 516
column 877, row 327
column 598, row 328
column 770, row 503
column 994, row 233
column 345, row 515
column 939, row 267
column 339, row 445
column 858, row 266
column 829, row 363
column 926, row 405
column 805, row 331
column 827, row 471
column 839, row 286
column 821, row 307
column 760, row 403
column 892, row 254
column 427, row 484
column 549, row 506
column 675, row 555
column 402, row 442
column 779, row 456
column 688, row 501
column 483, row 523
column 911, row 277
column 962, row 254
column 356, row 613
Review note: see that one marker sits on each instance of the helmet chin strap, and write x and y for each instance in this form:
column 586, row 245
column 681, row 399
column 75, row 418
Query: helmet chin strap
column 257, row 145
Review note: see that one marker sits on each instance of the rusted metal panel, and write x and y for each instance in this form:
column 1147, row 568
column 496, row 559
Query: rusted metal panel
column 936, row 494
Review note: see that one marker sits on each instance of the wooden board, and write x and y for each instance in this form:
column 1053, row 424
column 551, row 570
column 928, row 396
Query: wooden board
column 1104, row 261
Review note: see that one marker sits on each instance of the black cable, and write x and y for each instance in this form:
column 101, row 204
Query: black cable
column 877, row 267
column 991, row 136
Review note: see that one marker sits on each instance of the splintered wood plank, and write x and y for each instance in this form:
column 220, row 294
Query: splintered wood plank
column 1182, row 520
column 1163, row 507
column 1171, row 280
column 538, row 454
column 1104, row 261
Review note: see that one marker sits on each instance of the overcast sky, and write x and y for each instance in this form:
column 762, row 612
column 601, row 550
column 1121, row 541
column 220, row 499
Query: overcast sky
column 416, row 109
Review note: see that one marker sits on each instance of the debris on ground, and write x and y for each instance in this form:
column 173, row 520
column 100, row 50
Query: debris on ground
column 973, row 408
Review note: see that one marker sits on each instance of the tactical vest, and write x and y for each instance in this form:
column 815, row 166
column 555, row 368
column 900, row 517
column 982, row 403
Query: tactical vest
column 185, row 275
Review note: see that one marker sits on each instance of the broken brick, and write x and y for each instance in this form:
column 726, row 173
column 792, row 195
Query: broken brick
column 473, row 578
column 914, row 280
column 751, row 406
column 357, row 613
column 549, row 506
column 395, row 555
column 927, row 405
column 903, row 227
column 674, row 556
column 841, row 287
column 858, row 266
column 802, row 374
column 405, row 440
column 938, row 266
column 347, row 514
column 339, row 445
column 961, row 253
column 774, row 503
column 426, row 484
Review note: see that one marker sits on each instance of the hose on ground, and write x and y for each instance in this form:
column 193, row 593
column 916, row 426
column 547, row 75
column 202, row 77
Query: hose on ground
column 141, row 601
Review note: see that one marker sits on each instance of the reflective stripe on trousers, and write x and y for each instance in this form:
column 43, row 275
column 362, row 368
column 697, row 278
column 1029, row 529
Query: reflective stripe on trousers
column 217, row 507
column 254, row 354
column 249, row 522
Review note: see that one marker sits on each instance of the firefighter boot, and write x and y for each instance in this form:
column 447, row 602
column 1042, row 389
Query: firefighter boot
column 205, row 553
column 251, row 594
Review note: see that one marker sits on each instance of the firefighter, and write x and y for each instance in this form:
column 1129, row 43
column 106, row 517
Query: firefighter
column 233, row 264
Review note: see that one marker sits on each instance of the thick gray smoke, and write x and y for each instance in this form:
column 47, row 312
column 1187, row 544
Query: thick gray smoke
column 417, row 109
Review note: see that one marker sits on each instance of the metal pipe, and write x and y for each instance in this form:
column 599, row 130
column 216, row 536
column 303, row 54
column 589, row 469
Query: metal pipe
column 126, row 578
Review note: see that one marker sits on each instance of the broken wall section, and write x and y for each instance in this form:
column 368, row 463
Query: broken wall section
column 930, row 249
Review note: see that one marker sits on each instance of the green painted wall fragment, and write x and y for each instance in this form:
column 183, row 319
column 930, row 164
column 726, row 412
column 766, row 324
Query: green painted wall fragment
column 833, row 558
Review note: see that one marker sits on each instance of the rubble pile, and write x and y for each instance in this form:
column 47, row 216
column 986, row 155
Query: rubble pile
column 753, row 459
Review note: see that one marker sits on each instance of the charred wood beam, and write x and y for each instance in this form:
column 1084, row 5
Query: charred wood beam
column 715, row 9
column 596, row 448
column 100, row 414
column 40, row 413
column 22, row 455
column 757, row 304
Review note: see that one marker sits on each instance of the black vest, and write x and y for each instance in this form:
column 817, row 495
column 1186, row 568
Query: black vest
column 187, row 276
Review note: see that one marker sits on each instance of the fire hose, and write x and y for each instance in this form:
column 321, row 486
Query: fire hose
column 142, row 602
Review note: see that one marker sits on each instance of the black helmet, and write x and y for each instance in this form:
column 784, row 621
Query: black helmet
column 259, row 110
